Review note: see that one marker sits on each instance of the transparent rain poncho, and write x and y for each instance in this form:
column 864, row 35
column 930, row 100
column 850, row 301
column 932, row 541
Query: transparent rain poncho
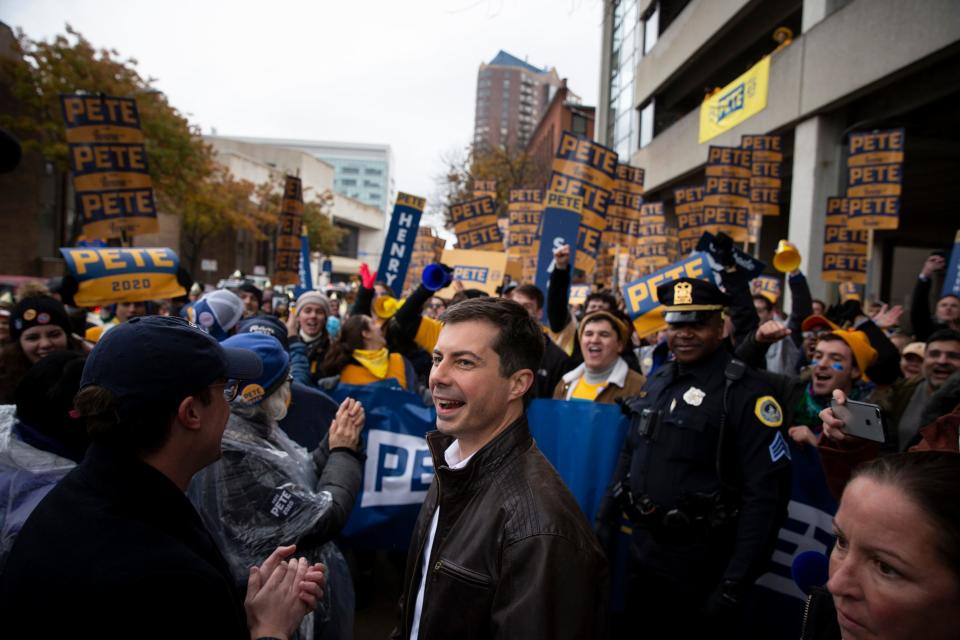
column 268, row 491
column 27, row 474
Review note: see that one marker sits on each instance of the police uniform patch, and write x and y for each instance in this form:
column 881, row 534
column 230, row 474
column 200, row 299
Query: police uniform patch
column 768, row 411
column 252, row 393
column 779, row 448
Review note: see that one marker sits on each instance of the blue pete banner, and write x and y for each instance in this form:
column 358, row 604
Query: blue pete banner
column 559, row 225
column 114, row 274
column 641, row 295
column 775, row 603
column 306, row 274
column 401, row 237
column 951, row 282
column 398, row 470
column 581, row 439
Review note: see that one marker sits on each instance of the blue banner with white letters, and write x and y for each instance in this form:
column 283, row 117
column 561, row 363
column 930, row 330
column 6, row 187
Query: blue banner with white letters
column 559, row 225
column 398, row 245
column 398, row 470
column 306, row 275
column 581, row 439
column 774, row 608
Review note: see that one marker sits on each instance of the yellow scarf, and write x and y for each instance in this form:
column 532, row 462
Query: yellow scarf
column 375, row 362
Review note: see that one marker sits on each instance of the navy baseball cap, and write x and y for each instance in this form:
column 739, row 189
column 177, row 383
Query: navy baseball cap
column 157, row 357
column 268, row 325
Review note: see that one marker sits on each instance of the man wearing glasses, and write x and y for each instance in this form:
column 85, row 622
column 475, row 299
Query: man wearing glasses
column 116, row 549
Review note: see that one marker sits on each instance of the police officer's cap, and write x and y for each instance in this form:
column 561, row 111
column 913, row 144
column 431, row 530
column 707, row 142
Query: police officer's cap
column 690, row 300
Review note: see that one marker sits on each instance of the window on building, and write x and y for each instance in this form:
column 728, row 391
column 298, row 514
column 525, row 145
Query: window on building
column 579, row 124
column 371, row 184
column 349, row 243
column 651, row 27
column 646, row 123
column 370, row 171
column 350, row 171
column 374, row 196
column 348, row 182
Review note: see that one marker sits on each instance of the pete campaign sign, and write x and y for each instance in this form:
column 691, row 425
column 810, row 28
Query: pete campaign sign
column 641, row 295
column 114, row 274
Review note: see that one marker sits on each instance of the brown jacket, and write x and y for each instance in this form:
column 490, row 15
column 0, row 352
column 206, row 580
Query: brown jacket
column 624, row 382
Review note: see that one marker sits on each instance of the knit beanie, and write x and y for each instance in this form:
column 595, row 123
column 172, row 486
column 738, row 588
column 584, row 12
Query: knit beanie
column 313, row 297
column 38, row 311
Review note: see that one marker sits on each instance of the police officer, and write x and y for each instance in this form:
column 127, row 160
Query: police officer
column 703, row 478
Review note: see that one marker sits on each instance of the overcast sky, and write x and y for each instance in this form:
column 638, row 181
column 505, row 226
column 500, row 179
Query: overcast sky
column 400, row 72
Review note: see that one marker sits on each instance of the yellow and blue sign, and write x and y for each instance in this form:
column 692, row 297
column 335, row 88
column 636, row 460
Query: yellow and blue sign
column 766, row 176
column 849, row 291
column 744, row 97
column 111, row 179
column 524, row 211
column 475, row 225
column 624, row 208
column 287, row 266
column 844, row 249
column 641, row 295
column 587, row 170
column 726, row 193
column 114, row 274
column 688, row 207
column 766, row 286
column 401, row 238
column 475, row 269
column 579, row 293
column 875, row 179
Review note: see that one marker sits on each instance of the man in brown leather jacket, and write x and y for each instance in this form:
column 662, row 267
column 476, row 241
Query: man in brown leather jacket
column 501, row 548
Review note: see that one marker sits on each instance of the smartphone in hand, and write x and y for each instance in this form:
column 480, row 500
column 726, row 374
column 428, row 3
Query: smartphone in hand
column 860, row 419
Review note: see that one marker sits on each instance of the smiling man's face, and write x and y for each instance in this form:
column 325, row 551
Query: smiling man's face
column 833, row 368
column 473, row 400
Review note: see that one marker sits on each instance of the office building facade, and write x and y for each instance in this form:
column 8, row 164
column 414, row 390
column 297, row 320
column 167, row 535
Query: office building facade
column 836, row 67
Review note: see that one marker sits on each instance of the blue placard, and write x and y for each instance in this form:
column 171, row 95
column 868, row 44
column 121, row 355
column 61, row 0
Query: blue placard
column 951, row 281
column 582, row 440
column 306, row 275
column 398, row 246
column 558, row 226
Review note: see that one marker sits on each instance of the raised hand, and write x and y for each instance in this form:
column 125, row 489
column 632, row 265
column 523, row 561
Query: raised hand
column 347, row 424
column 561, row 257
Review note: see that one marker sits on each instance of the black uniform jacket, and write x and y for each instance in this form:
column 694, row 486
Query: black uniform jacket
column 513, row 556
column 680, row 459
column 116, row 550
